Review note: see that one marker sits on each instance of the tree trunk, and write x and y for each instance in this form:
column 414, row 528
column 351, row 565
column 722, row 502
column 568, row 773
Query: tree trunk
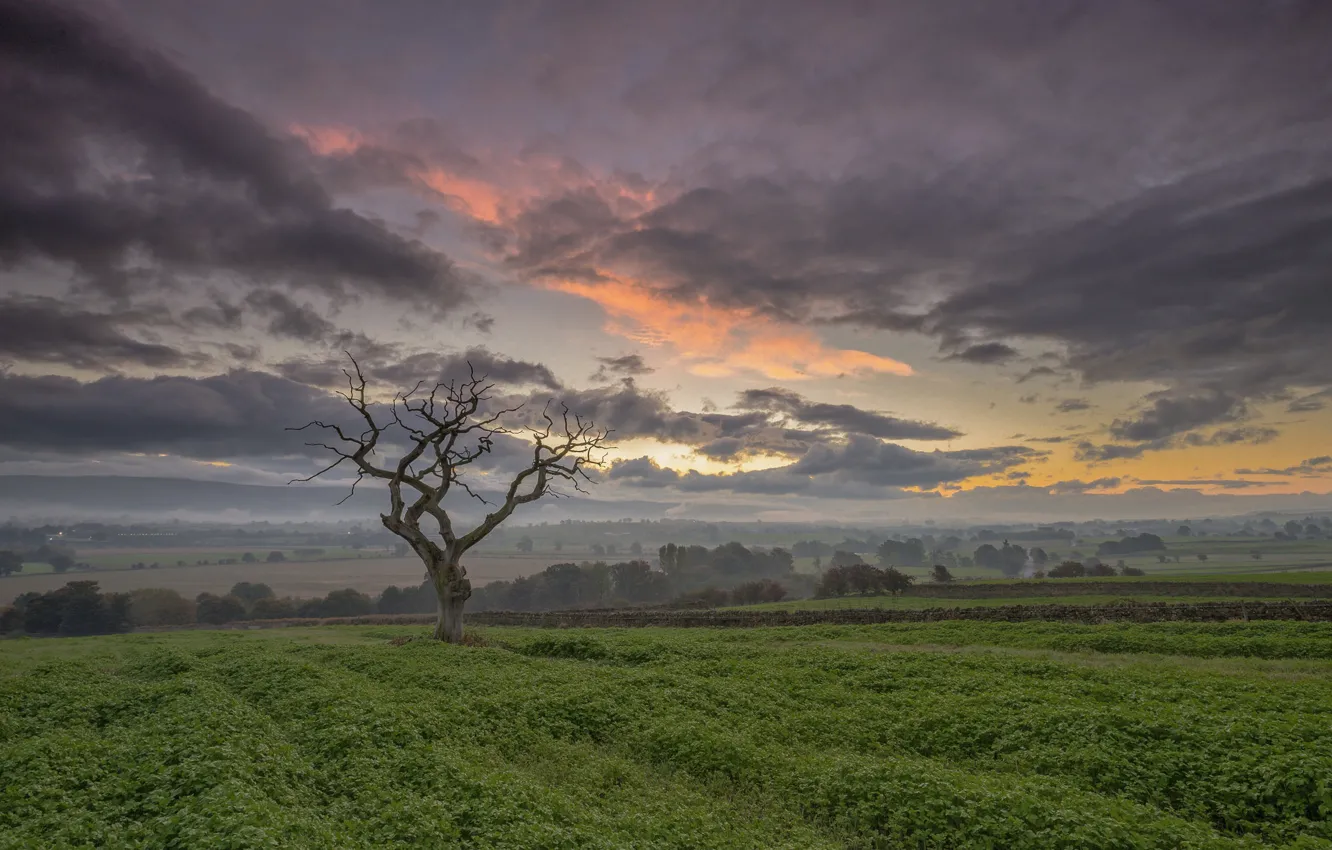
column 449, row 626
column 452, row 590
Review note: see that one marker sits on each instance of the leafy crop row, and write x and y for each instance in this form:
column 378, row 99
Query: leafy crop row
column 653, row 738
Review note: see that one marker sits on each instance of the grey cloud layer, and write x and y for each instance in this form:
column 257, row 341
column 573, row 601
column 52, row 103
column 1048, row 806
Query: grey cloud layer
column 130, row 171
column 858, row 467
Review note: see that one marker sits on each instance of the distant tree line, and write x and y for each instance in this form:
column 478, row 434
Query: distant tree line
column 685, row 573
column 61, row 558
column 78, row 608
column 1132, row 545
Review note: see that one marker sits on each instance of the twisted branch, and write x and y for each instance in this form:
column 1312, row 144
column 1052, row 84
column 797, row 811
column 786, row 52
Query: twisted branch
column 563, row 448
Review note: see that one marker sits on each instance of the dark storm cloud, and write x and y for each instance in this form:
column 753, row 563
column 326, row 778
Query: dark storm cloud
column 1309, row 403
column 1073, row 405
column 237, row 414
column 986, row 352
column 859, row 467
column 390, row 369
column 628, row 365
column 1093, row 453
column 118, row 163
column 843, row 417
column 1311, row 466
column 1232, row 436
column 289, row 319
column 1080, row 486
column 1169, row 415
column 1163, row 213
column 1225, row 483
column 50, row 331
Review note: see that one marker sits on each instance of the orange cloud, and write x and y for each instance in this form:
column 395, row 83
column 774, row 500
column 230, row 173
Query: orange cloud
column 719, row 342
column 474, row 198
column 327, row 141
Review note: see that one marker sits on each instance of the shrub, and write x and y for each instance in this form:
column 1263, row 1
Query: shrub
column 251, row 593
column 216, row 610
column 159, row 606
column 273, row 608
column 754, row 592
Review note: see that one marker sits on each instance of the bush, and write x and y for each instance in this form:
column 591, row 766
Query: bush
column 1131, row 571
column 1099, row 570
column 407, row 600
column 78, row 608
column 272, row 608
column 159, row 606
column 339, row 603
column 251, row 593
column 1068, row 569
column 706, row 597
column 276, row 557
column 754, row 592
column 11, row 620
column 216, row 610
column 862, row 578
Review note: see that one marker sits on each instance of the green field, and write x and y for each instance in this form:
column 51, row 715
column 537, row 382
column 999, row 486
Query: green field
column 934, row 735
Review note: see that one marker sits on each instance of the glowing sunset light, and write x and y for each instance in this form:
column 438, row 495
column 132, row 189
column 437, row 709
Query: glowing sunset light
column 718, row 342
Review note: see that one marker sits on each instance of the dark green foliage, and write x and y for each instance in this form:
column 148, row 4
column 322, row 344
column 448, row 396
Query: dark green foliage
column 78, row 608
column 274, row 608
column 1068, row 569
column 339, row 603
column 770, row 738
column 249, row 593
column 10, row 562
column 909, row 553
column 1130, row 545
column 684, row 570
column 216, row 610
column 1010, row 560
column 156, row 606
column 940, row 574
column 862, row 578
column 407, row 600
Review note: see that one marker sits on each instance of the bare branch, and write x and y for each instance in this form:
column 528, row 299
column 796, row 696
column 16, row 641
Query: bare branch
column 442, row 432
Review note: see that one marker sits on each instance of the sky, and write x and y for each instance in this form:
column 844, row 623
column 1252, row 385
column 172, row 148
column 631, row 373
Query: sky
column 828, row 260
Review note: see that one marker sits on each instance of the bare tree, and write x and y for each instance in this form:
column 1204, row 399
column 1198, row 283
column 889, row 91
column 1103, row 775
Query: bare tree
column 440, row 434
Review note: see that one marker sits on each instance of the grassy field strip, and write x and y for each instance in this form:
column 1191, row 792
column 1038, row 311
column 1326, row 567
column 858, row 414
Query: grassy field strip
column 663, row 738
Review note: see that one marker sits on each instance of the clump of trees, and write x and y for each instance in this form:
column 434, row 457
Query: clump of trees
column 749, row 593
column 78, row 608
column 862, row 579
column 1010, row 559
column 907, row 553
column 1131, row 545
column 61, row 559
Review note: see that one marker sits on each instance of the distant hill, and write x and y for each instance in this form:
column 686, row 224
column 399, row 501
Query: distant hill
column 119, row 496
column 115, row 495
